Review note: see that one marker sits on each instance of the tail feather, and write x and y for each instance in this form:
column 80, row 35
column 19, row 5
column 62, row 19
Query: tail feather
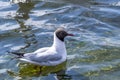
column 17, row 53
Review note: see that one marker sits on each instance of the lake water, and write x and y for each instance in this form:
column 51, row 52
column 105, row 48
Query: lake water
column 93, row 53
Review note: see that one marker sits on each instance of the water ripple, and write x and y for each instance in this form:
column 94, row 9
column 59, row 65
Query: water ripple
column 92, row 52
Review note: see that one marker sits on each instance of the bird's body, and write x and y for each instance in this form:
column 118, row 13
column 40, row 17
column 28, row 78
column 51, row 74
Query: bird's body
column 49, row 56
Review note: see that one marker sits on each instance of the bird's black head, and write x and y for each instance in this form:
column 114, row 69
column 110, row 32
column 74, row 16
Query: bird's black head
column 61, row 34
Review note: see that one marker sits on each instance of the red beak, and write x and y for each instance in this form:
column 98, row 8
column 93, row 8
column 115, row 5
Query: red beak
column 70, row 35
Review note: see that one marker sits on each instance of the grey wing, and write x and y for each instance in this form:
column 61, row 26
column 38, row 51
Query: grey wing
column 30, row 55
column 42, row 50
column 38, row 57
column 46, row 58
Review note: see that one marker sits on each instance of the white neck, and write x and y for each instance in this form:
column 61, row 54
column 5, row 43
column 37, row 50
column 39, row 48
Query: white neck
column 59, row 45
column 57, row 42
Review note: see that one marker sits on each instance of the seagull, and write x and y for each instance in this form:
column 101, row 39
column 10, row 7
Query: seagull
column 48, row 56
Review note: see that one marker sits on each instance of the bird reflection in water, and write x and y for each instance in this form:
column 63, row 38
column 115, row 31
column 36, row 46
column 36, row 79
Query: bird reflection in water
column 58, row 72
column 30, row 70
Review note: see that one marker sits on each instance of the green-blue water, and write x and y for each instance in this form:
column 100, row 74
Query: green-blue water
column 93, row 53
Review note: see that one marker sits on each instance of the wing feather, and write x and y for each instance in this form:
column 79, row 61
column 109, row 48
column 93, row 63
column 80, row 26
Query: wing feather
column 43, row 55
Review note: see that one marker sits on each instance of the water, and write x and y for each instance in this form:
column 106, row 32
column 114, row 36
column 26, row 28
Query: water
column 93, row 53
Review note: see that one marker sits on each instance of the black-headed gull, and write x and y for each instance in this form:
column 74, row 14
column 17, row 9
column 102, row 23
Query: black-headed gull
column 49, row 56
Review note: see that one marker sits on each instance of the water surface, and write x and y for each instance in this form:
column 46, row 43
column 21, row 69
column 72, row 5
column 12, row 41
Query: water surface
column 93, row 53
